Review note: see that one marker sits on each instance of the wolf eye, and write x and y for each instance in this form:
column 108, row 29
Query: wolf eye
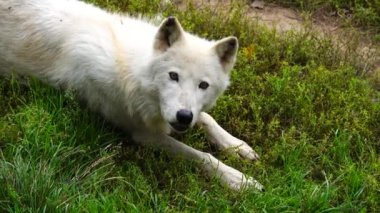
column 203, row 85
column 173, row 76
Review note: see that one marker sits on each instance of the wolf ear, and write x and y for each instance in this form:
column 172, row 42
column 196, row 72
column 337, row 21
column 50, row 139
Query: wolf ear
column 169, row 32
column 226, row 49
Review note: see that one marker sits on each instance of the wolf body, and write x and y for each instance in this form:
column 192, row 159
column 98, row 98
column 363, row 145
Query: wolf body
column 149, row 80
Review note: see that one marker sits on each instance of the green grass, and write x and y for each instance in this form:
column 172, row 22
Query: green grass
column 364, row 14
column 302, row 102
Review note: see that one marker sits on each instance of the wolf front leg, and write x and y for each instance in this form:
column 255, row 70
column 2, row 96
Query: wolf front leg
column 229, row 176
column 224, row 140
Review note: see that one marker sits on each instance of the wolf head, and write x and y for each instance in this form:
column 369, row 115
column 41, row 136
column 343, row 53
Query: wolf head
column 189, row 73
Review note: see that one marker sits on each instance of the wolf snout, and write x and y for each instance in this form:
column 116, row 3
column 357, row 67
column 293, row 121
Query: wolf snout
column 184, row 117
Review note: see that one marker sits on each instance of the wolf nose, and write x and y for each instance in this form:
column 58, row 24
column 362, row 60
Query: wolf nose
column 184, row 116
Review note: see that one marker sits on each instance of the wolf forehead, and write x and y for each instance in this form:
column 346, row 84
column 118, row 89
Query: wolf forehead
column 194, row 63
column 171, row 38
column 192, row 47
column 192, row 54
column 192, row 58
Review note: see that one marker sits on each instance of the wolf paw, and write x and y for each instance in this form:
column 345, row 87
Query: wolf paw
column 234, row 145
column 224, row 140
column 236, row 180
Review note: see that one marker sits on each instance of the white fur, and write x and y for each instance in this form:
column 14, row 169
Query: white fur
column 120, row 66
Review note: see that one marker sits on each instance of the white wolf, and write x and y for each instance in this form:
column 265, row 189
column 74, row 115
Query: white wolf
column 149, row 80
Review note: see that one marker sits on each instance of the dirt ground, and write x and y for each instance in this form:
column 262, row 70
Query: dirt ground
column 284, row 19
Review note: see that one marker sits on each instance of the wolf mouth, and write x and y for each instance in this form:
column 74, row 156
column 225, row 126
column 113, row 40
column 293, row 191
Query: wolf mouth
column 178, row 127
